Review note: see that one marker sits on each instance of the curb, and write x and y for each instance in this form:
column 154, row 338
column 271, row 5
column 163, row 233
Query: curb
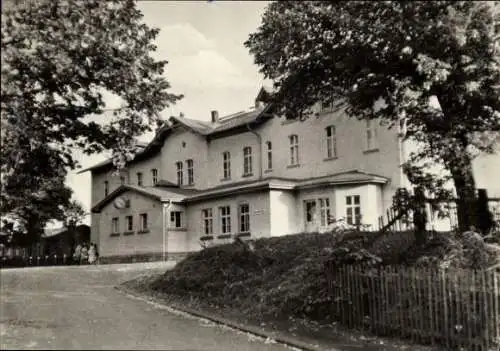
column 223, row 321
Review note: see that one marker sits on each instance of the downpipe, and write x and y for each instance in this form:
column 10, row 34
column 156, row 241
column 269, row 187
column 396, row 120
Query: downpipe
column 166, row 208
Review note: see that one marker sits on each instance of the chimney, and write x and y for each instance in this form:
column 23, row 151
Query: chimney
column 215, row 116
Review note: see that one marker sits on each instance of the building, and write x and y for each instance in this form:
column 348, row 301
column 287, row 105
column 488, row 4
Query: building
column 251, row 174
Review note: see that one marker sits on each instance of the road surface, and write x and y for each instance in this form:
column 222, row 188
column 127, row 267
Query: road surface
column 78, row 308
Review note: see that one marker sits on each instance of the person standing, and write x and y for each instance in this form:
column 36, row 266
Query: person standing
column 84, row 257
column 77, row 254
column 92, row 254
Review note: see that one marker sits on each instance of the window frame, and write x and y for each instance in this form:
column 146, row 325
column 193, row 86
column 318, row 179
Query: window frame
column 371, row 142
column 106, row 188
column 174, row 218
column 180, row 172
column 244, row 218
column 122, row 180
column 226, row 165
column 115, row 225
column 143, row 222
column 269, row 152
column 353, row 218
column 190, row 171
column 139, row 179
column 154, row 176
column 331, row 142
column 129, row 224
column 294, row 149
column 225, row 219
column 324, row 211
column 207, row 220
column 247, row 161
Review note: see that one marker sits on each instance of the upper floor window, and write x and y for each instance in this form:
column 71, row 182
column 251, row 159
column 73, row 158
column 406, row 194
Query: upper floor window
column 176, row 219
column 225, row 218
column 180, row 177
column 269, row 150
column 226, row 159
column 353, row 209
column 331, row 142
column 154, row 176
column 294, row 149
column 208, row 221
column 122, row 180
column 244, row 218
column 371, row 135
column 106, row 188
column 190, row 171
column 139, row 178
column 247, row 160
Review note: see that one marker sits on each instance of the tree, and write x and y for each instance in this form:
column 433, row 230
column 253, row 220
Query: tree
column 59, row 60
column 434, row 65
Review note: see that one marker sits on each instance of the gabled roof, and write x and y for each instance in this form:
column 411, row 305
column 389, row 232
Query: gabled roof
column 226, row 123
column 159, row 193
column 109, row 162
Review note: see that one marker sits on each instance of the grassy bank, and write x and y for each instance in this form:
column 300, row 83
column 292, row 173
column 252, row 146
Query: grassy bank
column 284, row 277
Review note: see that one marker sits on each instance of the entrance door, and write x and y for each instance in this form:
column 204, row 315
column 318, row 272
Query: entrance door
column 310, row 216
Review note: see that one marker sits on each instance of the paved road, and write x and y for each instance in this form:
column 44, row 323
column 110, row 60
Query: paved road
column 77, row 308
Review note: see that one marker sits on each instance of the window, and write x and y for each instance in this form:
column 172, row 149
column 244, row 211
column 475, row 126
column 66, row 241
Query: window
column 371, row 135
column 244, row 218
column 139, row 179
column 310, row 210
column 176, row 219
column 353, row 209
column 226, row 158
column 190, row 171
column 327, row 106
column 247, row 160
column 115, row 225
column 324, row 211
column 225, row 218
column 154, row 175
column 143, row 222
column 129, row 220
column 294, row 150
column 178, row 165
column 122, row 180
column 208, row 221
column 106, row 188
column 331, row 143
column 269, row 147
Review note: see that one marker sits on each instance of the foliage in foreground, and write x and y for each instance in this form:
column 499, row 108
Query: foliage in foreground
column 431, row 67
column 285, row 276
column 62, row 62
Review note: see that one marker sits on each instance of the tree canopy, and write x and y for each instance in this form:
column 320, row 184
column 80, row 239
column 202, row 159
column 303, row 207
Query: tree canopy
column 60, row 59
column 433, row 64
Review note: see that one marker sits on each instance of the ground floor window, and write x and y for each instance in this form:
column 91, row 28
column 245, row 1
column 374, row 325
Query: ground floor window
column 324, row 211
column 244, row 218
column 115, row 225
column 143, row 222
column 208, row 222
column 129, row 220
column 176, row 219
column 310, row 208
column 353, row 209
column 225, row 219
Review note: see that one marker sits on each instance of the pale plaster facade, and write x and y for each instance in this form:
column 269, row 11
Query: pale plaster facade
column 278, row 198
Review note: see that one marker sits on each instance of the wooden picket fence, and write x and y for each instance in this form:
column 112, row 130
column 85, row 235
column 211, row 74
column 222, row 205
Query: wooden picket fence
column 455, row 309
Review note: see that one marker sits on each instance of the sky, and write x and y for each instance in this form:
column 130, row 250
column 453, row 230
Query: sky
column 203, row 42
